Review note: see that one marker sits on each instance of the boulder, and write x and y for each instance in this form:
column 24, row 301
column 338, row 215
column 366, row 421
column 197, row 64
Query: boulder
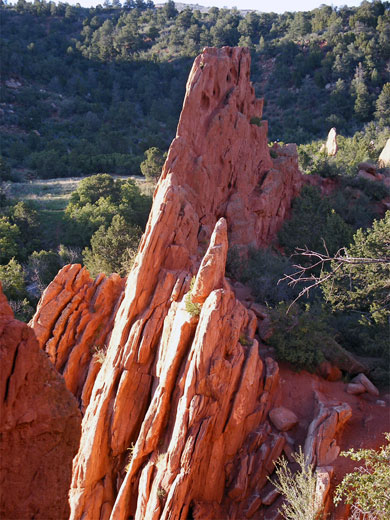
column 366, row 383
column 321, row 447
column 283, row 419
column 329, row 371
column 40, row 427
column 367, row 167
column 356, row 388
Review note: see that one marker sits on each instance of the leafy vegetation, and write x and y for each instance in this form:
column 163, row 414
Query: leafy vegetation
column 365, row 286
column 350, row 310
column 301, row 336
column 191, row 307
column 367, row 489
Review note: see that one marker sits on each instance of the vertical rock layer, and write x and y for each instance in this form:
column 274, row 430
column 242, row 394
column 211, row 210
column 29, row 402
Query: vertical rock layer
column 40, row 427
column 73, row 323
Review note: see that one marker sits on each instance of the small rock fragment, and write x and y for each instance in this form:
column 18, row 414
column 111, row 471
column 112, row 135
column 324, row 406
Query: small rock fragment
column 270, row 496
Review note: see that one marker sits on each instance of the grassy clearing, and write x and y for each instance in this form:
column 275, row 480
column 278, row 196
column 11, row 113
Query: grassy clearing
column 54, row 194
column 46, row 194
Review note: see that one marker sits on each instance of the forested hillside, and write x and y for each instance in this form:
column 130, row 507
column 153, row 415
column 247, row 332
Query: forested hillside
column 91, row 90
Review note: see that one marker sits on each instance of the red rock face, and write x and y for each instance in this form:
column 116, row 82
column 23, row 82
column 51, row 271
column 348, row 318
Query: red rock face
column 73, row 322
column 40, row 427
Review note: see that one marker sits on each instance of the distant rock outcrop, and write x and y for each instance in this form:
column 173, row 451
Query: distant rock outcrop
column 384, row 158
column 40, row 427
column 331, row 143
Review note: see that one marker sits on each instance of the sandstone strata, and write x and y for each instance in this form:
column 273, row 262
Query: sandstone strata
column 182, row 397
column 73, row 323
column 40, row 427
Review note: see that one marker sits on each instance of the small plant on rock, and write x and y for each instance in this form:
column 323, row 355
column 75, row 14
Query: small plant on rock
column 255, row 121
column 244, row 340
column 161, row 493
column 130, row 456
column 99, row 354
column 192, row 308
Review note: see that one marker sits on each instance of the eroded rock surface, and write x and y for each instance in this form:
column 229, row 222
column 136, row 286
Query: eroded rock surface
column 73, row 322
column 321, row 448
column 40, row 427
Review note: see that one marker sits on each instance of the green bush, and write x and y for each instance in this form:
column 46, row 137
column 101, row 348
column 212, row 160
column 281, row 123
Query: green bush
column 262, row 272
column 367, row 489
column 374, row 190
column 313, row 222
column 113, row 249
column 192, row 308
column 12, row 280
column 300, row 336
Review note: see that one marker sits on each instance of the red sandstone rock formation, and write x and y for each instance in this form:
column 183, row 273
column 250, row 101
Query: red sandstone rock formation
column 186, row 397
column 73, row 322
column 40, row 427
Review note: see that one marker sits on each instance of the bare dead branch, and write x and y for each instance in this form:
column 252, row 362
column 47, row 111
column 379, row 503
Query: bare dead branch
column 304, row 274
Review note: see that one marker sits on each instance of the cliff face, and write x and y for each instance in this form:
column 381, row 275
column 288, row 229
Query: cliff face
column 40, row 427
column 177, row 418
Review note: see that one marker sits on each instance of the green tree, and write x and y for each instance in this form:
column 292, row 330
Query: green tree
column 12, row 280
column 42, row 267
column 113, row 249
column 152, row 165
column 361, row 276
column 312, row 223
column 383, row 106
column 5, row 170
column 92, row 188
column 362, row 105
column 9, row 240
column 27, row 220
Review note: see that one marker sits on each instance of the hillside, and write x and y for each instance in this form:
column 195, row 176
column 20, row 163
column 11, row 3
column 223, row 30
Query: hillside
column 90, row 90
